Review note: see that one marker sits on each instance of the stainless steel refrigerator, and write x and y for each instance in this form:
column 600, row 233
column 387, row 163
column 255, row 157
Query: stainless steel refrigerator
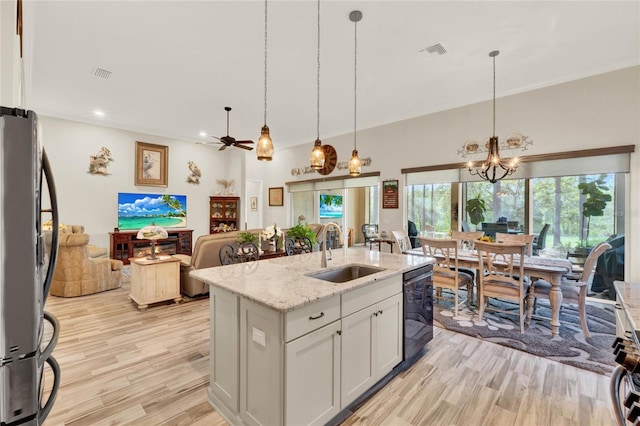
column 26, row 271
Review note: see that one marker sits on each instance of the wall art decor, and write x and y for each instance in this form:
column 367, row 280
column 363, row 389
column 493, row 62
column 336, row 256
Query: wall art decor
column 276, row 196
column 390, row 194
column 152, row 164
column 98, row 163
column 195, row 175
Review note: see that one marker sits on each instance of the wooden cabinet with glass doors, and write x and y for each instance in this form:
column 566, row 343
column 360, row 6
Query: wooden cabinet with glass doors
column 224, row 214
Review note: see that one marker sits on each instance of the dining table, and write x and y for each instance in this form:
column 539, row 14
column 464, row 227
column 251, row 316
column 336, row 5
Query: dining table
column 550, row 269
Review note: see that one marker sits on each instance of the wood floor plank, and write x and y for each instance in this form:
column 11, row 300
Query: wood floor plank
column 122, row 366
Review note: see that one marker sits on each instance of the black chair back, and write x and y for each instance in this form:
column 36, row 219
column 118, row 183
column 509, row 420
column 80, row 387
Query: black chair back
column 490, row 229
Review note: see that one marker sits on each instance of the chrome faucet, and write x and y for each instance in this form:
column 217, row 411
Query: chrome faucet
column 323, row 262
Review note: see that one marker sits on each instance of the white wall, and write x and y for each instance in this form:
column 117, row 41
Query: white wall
column 92, row 200
column 10, row 62
column 594, row 112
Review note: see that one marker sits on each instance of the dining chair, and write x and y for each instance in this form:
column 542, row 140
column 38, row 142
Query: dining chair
column 466, row 239
column 402, row 241
column 234, row 253
column 500, row 264
column 574, row 292
column 526, row 239
column 445, row 270
column 294, row 246
column 539, row 241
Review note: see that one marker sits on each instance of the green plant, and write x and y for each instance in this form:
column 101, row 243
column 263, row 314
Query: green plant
column 247, row 237
column 594, row 204
column 475, row 210
column 301, row 231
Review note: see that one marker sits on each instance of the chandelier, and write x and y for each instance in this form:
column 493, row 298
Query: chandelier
column 494, row 168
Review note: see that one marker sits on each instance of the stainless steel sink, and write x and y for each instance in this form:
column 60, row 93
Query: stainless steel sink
column 346, row 273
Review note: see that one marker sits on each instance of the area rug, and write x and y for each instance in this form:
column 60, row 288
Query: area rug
column 126, row 274
column 569, row 347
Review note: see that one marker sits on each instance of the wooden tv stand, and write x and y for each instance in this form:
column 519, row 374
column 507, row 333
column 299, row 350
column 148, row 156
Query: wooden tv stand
column 125, row 244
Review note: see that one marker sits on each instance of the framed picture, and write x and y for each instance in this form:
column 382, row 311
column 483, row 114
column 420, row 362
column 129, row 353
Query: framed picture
column 151, row 164
column 276, row 196
column 254, row 204
column 390, row 194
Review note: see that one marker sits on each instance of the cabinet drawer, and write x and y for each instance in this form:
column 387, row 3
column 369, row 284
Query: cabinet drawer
column 310, row 317
column 358, row 299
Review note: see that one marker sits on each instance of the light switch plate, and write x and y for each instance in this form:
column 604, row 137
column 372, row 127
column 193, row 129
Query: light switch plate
column 259, row 337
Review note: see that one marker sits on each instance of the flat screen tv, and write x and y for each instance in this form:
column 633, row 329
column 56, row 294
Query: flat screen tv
column 136, row 211
column 330, row 206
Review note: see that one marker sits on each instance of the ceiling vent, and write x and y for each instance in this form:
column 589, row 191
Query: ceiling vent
column 101, row 73
column 436, row 49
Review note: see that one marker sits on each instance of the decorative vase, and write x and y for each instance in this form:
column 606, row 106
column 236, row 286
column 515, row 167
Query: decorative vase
column 272, row 245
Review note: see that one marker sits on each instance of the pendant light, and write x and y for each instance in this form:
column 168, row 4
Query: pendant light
column 265, row 145
column 317, row 154
column 355, row 164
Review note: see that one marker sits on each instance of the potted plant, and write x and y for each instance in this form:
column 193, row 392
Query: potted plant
column 247, row 237
column 300, row 231
column 475, row 210
column 594, row 204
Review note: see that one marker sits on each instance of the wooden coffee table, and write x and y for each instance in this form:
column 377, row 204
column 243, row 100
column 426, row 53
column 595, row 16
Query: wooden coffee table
column 379, row 241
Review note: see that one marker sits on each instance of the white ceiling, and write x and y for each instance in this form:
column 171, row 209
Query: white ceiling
column 176, row 64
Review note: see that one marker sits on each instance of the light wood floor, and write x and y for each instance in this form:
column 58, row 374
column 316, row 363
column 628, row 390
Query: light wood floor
column 122, row 366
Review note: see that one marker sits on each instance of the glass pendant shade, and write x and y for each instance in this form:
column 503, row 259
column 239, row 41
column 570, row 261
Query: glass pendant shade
column 264, row 150
column 317, row 155
column 355, row 165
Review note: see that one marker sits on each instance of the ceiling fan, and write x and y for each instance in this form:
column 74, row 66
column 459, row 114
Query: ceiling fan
column 231, row 141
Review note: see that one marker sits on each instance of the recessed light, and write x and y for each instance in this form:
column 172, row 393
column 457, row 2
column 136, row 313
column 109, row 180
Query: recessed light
column 203, row 134
column 99, row 113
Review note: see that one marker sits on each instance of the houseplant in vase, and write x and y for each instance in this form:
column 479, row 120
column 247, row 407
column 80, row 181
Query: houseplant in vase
column 475, row 209
column 247, row 237
column 303, row 230
column 594, row 205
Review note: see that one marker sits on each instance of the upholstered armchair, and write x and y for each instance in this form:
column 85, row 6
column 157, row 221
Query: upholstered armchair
column 78, row 274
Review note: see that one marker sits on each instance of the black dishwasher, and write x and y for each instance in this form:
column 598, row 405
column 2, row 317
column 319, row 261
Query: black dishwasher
column 418, row 311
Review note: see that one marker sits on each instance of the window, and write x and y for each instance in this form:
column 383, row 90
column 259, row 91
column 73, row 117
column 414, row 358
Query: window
column 374, row 203
column 559, row 202
column 430, row 204
column 505, row 198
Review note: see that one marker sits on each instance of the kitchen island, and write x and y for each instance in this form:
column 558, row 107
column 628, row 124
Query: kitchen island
column 291, row 349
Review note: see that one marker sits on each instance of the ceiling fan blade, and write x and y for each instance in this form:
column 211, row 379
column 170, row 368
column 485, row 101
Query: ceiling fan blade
column 222, row 148
column 248, row 148
column 244, row 141
column 228, row 140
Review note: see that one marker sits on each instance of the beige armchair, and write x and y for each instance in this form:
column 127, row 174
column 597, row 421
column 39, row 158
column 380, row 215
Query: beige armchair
column 78, row 274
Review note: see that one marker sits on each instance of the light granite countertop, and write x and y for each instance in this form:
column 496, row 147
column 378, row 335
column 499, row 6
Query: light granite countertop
column 281, row 284
column 629, row 297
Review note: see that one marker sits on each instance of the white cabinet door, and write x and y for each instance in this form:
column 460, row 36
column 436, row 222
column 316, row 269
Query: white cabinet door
column 388, row 335
column 312, row 384
column 358, row 371
column 371, row 346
